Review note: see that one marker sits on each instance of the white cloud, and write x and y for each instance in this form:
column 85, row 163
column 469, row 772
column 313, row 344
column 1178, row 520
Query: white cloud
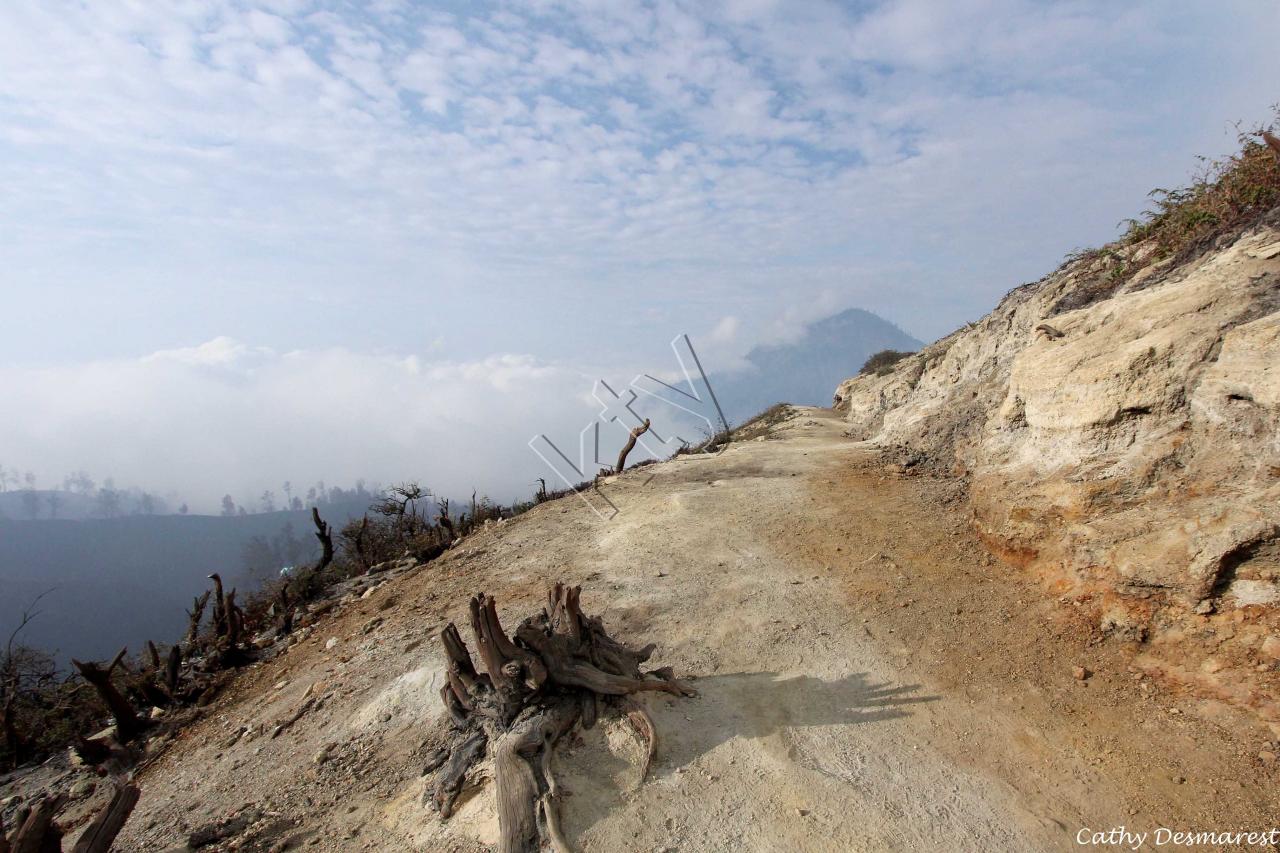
column 226, row 417
column 219, row 352
column 673, row 132
column 726, row 330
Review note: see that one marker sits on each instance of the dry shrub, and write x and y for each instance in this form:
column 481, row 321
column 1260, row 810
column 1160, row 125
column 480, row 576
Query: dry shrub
column 1227, row 195
column 881, row 363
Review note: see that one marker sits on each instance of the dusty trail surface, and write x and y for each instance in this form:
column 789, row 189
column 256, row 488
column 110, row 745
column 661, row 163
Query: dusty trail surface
column 869, row 680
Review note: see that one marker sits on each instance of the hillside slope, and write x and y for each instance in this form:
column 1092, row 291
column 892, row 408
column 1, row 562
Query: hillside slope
column 869, row 679
column 1120, row 436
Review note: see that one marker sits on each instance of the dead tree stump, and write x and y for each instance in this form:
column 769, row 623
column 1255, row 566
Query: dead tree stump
column 38, row 833
column 307, row 582
column 129, row 725
column 445, row 522
column 361, row 532
column 284, row 622
column 173, row 669
column 326, row 541
column 560, row 670
column 194, row 615
column 219, row 607
column 631, row 442
column 99, row 835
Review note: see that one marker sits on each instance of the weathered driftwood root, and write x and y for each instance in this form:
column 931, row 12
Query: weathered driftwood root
column 562, row 668
column 646, row 729
column 454, row 772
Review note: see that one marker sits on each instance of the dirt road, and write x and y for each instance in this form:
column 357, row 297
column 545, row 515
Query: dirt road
column 869, row 680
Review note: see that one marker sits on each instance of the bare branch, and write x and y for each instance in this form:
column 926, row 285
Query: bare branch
column 631, row 442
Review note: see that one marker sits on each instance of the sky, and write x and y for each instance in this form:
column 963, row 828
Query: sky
column 245, row 242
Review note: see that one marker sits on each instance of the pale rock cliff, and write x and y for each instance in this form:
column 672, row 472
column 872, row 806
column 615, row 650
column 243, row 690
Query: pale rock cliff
column 1120, row 436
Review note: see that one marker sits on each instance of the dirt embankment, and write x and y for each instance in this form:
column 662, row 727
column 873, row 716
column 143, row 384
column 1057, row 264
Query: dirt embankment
column 869, row 678
column 1120, row 437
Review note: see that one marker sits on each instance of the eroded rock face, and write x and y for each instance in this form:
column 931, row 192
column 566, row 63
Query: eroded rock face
column 1118, row 437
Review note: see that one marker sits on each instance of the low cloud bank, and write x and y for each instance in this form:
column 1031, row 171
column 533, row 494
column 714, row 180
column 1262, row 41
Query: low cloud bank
column 226, row 417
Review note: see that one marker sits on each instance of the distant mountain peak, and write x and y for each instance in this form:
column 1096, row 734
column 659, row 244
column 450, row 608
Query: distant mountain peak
column 800, row 371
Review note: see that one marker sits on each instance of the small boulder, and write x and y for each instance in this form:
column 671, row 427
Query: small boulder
column 1120, row 624
column 82, row 789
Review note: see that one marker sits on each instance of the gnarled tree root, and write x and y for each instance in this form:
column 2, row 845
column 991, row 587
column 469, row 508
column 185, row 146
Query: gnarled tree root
column 555, row 673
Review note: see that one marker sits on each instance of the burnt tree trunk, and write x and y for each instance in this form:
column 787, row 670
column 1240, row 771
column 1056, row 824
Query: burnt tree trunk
column 172, row 669
column 148, row 689
column 194, row 615
column 360, row 554
column 558, row 671
column 219, row 607
column 445, row 522
column 235, row 620
column 326, row 541
column 284, row 626
column 228, row 651
column 153, row 654
column 308, row 582
column 631, row 442
column 128, row 724
column 150, row 685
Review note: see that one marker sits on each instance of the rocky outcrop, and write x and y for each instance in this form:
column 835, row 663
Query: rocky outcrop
column 1119, row 434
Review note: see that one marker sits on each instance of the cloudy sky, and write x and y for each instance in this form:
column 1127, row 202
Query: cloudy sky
column 246, row 242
